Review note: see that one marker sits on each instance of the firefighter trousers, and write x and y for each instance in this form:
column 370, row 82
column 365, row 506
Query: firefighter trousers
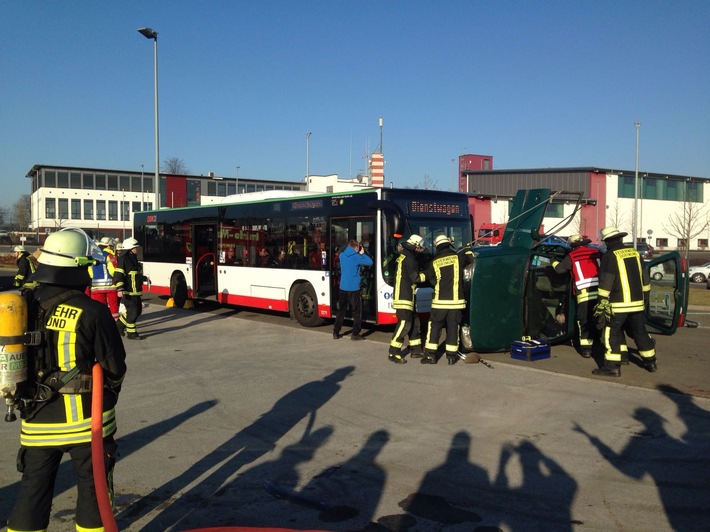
column 39, row 467
column 615, row 341
column 586, row 324
column 134, row 308
column 439, row 319
column 408, row 325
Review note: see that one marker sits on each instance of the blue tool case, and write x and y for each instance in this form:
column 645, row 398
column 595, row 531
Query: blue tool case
column 530, row 349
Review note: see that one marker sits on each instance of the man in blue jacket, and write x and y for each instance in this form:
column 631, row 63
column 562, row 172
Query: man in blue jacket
column 351, row 258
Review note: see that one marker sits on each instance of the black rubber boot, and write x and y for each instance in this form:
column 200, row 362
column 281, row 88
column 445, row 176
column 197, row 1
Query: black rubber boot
column 397, row 359
column 607, row 371
column 426, row 359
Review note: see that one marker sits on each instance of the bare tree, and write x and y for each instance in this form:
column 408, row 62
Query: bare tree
column 685, row 225
column 175, row 166
column 616, row 216
column 22, row 212
column 427, row 184
column 3, row 215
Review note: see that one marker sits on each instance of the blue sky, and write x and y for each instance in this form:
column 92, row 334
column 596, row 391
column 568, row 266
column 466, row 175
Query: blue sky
column 534, row 84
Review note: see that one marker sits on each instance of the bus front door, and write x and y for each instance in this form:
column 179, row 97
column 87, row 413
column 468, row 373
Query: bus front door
column 342, row 230
column 205, row 261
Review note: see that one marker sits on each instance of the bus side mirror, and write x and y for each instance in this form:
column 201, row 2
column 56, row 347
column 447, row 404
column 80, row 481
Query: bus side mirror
column 394, row 215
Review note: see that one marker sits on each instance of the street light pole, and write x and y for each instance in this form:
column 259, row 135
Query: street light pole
column 237, row 183
column 636, row 186
column 149, row 33
column 308, row 136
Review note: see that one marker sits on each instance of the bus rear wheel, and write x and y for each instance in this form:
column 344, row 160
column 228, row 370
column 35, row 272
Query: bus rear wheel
column 304, row 304
column 178, row 289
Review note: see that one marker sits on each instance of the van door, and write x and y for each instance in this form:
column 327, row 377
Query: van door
column 668, row 301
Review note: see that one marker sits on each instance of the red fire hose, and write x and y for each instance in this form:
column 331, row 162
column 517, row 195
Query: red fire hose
column 97, row 449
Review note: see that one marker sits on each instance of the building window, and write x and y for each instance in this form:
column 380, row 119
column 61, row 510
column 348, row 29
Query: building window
column 124, row 183
column 694, row 192
column 221, row 189
column 112, row 182
column 211, row 188
column 63, row 179
column 650, row 189
column 75, row 180
column 63, row 209
column 50, row 208
column 100, row 181
column 148, row 184
column 486, row 164
column 76, row 209
column 88, row 181
column 681, row 243
column 136, row 184
column 113, row 210
column 88, row 209
column 125, row 210
column 231, row 188
column 193, row 192
column 136, row 206
column 148, row 206
column 702, row 243
column 555, row 210
column 50, row 179
column 100, row 209
column 251, row 188
column 661, row 242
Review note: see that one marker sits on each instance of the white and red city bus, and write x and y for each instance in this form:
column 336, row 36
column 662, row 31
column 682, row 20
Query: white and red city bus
column 281, row 253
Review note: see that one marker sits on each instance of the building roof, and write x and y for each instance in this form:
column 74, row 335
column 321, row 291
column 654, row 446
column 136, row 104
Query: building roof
column 584, row 169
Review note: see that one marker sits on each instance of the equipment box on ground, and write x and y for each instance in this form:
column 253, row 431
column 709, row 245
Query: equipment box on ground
column 530, row 350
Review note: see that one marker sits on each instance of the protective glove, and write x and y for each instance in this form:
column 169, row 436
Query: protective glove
column 603, row 313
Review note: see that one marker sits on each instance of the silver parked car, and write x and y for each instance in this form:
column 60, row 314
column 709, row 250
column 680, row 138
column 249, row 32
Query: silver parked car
column 699, row 274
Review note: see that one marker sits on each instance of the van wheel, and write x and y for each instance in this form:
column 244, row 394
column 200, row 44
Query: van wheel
column 178, row 289
column 305, row 306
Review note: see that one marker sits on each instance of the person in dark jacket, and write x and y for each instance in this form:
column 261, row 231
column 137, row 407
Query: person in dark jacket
column 582, row 263
column 445, row 273
column 78, row 332
column 406, row 278
column 128, row 278
column 351, row 259
column 624, row 288
column 25, row 266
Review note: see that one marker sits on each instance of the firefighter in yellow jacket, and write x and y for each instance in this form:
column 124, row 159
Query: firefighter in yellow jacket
column 624, row 287
column 406, row 279
column 77, row 332
column 25, row 266
column 445, row 273
column 128, row 278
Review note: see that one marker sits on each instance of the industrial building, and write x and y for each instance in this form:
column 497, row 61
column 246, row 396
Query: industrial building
column 664, row 201
column 102, row 201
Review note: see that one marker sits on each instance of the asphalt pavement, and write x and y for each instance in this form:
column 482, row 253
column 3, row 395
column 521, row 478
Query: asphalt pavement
column 228, row 421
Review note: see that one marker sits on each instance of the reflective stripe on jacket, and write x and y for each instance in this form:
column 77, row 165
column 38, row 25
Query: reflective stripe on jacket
column 622, row 280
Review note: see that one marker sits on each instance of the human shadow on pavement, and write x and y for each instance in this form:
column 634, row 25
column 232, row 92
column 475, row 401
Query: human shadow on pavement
column 460, row 493
column 246, row 446
column 679, row 466
column 246, row 501
column 127, row 445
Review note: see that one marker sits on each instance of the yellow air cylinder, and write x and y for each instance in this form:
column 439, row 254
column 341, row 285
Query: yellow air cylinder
column 13, row 353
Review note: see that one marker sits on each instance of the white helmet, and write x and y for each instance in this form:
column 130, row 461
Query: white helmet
column 65, row 258
column 130, row 243
column 416, row 241
column 19, row 249
column 106, row 241
column 70, row 248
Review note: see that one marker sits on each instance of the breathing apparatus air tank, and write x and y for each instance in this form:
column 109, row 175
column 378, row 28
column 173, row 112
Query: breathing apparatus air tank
column 13, row 352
